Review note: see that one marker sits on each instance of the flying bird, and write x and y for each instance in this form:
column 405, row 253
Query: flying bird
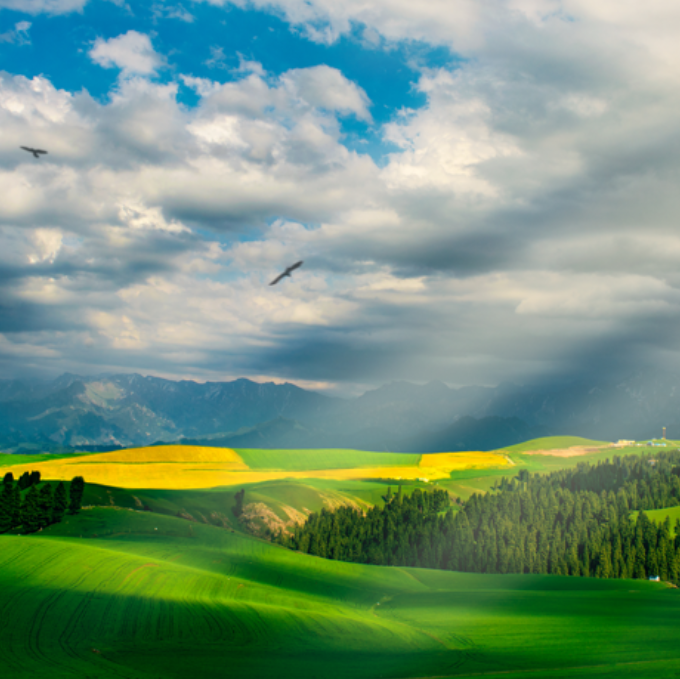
column 35, row 152
column 286, row 272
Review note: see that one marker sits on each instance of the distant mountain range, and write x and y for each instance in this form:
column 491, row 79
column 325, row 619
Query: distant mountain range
column 112, row 411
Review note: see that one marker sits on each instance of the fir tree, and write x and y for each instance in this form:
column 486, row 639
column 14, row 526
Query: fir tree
column 238, row 499
column 60, row 503
column 45, row 506
column 15, row 507
column 76, row 490
column 6, row 498
column 30, row 516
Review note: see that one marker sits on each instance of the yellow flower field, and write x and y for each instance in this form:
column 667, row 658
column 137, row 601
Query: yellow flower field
column 191, row 467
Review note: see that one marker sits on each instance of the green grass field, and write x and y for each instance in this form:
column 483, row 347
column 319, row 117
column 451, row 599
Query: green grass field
column 145, row 596
column 659, row 515
column 524, row 454
column 131, row 594
column 285, row 499
column 7, row 460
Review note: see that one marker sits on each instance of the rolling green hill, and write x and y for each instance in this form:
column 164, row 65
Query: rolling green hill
column 276, row 498
column 278, row 503
column 130, row 594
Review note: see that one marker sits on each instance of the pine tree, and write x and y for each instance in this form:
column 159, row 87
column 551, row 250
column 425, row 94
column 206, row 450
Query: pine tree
column 76, row 490
column 45, row 506
column 30, row 512
column 604, row 567
column 24, row 481
column 238, row 499
column 60, row 503
column 675, row 568
column 640, row 559
column 15, row 507
column 6, row 498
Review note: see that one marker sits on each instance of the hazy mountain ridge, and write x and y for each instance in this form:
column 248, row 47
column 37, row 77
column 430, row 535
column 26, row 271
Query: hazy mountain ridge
column 132, row 410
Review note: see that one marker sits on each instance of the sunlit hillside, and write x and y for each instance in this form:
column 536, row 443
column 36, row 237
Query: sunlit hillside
column 158, row 597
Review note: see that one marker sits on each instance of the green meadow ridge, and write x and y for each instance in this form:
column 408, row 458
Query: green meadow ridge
column 145, row 596
column 167, row 584
column 568, row 522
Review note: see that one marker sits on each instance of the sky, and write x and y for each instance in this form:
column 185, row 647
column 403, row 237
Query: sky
column 481, row 191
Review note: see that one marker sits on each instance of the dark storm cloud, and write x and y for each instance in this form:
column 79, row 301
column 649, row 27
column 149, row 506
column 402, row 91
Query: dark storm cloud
column 99, row 263
column 342, row 356
column 17, row 316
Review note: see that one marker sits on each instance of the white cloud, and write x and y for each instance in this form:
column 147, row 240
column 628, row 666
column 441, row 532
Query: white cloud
column 217, row 58
column 140, row 217
column 35, row 101
column 223, row 130
column 596, row 296
column 325, row 87
column 529, row 214
column 246, row 66
column 18, row 35
column 132, row 52
column 324, row 20
column 469, row 26
column 445, row 143
column 162, row 11
column 44, row 6
column 47, row 244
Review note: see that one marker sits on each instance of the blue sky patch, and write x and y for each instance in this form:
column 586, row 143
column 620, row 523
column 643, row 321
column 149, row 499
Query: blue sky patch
column 205, row 41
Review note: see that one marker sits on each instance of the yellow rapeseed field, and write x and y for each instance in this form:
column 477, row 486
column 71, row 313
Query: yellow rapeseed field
column 191, row 467
column 448, row 462
column 170, row 453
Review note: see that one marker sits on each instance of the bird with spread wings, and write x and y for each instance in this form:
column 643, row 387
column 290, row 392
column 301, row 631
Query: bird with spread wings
column 286, row 272
column 35, row 152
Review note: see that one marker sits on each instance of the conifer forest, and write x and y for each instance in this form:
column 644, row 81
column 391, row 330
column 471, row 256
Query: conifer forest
column 28, row 505
column 587, row 521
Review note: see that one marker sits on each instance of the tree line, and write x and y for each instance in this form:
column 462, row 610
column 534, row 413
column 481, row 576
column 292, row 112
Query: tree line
column 587, row 521
column 403, row 532
column 30, row 506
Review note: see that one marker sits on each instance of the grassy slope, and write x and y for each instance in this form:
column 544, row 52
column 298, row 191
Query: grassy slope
column 659, row 515
column 215, row 506
column 159, row 597
column 546, row 463
column 7, row 460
